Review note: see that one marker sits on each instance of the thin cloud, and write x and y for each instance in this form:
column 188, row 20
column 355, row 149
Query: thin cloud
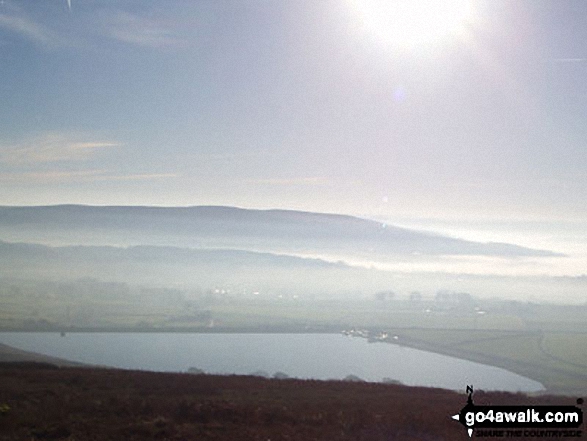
column 26, row 28
column 306, row 181
column 52, row 147
column 61, row 157
column 140, row 31
column 18, row 23
column 49, row 176
column 85, row 176
column 139, row 177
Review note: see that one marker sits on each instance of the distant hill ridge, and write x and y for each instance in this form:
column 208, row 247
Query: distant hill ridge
column 147, row 253
column 275, row 231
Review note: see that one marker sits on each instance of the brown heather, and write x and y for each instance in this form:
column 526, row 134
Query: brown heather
column 43, row 402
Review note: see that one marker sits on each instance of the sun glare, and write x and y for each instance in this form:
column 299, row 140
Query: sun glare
column 413, row 24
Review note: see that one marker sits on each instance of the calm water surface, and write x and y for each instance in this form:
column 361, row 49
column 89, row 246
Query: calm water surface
column 319, row 356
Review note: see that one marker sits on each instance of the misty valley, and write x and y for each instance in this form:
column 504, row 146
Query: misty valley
column 215, row 270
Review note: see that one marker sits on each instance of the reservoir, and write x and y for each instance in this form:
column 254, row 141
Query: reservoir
column 316, row 356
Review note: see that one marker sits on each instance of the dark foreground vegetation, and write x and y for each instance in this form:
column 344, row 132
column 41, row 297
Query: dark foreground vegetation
column 43, row 401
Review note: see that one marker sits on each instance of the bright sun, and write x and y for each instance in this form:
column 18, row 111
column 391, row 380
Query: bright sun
column 412, row 24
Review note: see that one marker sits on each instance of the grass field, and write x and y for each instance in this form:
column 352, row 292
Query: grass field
column 557, row 360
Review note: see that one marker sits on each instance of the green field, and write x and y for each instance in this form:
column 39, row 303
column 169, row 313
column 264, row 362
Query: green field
column 524, row 352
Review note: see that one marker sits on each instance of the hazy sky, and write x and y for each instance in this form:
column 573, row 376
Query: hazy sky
column 471, row 110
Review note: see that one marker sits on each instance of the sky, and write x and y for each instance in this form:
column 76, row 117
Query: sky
column 456, row 110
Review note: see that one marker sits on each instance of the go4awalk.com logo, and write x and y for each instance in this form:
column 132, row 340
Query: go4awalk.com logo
column 517, row 421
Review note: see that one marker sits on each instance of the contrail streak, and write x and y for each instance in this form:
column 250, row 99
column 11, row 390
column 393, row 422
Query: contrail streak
column 69, row 4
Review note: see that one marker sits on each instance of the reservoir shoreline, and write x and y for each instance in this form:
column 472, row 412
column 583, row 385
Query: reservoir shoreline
column 342, row 356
